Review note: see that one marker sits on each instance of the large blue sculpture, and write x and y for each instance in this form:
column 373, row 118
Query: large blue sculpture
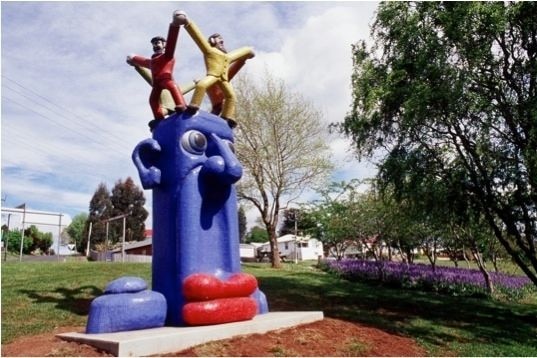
column 191, row 166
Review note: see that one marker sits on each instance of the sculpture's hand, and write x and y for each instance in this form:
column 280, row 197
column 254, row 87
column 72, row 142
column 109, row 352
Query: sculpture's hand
column 129, row 60
column 251, row 54
column 180, row 18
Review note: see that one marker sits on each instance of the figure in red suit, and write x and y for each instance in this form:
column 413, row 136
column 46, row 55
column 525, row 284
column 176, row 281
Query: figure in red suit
column 161, row 65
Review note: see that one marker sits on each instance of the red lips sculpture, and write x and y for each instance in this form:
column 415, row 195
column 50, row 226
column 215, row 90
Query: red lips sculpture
column 214, row 301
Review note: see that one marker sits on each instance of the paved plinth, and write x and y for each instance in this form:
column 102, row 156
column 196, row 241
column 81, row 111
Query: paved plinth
column 172, row 339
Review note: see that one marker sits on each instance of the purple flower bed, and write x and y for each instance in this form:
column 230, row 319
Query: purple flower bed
column 450, row 280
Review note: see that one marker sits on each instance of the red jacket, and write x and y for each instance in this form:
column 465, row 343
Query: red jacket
column 161, row 65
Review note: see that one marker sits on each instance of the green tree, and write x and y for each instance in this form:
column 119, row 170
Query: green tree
column 257, row 234
column 100, row 209
column 449, row 92
column 40, row 241
column 294, row 218
column 242, row 224
column 76, row 231
column 281, row 144
column 333, row 218
column 13, row 238
column 127, row 198
column 33, row 240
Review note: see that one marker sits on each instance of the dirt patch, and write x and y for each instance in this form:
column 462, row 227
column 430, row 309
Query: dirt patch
column 48, row 345
column 330, row 337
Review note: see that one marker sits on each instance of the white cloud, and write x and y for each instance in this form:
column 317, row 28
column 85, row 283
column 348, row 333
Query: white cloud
column 70, row 56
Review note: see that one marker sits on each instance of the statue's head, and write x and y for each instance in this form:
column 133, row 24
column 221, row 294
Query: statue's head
column 216, row 40
column 159, row 44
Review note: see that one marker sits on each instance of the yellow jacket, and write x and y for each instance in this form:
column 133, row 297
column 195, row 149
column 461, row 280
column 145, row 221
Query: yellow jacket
column 216, row 62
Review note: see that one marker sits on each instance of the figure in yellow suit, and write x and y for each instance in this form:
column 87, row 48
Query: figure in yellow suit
column 217, row 62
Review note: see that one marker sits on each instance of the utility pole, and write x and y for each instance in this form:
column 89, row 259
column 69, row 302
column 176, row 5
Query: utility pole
column 124, row 217
column 59, row 234
column 296, row 237
column 22, row 206
column 89, row 238
column 123, row 239
column 5, row 236
column 106, row 243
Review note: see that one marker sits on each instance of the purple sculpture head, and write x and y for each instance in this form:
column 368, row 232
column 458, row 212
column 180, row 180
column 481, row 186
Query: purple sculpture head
column 191, row 166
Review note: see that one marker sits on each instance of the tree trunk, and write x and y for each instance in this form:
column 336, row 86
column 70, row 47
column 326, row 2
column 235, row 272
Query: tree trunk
column 494, row 259
column 274, row 251
column 430, row 256
column 465, row 257
column 403, row 257
column 409, row 256
column 481, row 264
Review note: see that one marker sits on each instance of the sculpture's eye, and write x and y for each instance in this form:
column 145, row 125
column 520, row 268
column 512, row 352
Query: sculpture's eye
column 230, row 145
column 194, row 142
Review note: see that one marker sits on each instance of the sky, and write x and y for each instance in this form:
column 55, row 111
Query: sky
column 72, row 110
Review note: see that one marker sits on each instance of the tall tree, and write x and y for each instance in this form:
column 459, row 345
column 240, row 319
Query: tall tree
column 257, row 234
column 280, row 143
column 128, row 199
column 40, row 240
column 13, row 239
column 333, row 218
column 76, row 231
column 242, row 224
column 294, row 222
column 449, row 92
column 100, row 209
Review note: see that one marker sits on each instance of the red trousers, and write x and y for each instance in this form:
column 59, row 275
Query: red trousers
column 154, row 97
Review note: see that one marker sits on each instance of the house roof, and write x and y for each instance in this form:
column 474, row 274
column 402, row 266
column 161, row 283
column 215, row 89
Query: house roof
column 136, row 244
column 291, row 238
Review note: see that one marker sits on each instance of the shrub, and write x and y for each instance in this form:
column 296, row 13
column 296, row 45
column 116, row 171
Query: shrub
column 448, row 280
column 14, row 242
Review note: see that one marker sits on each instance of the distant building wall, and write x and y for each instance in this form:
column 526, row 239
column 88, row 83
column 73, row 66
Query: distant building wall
column 45, row 221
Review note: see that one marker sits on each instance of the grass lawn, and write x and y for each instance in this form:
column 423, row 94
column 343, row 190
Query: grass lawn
column 39, row 296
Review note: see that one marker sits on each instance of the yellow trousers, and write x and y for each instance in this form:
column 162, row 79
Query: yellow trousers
column 230, row 99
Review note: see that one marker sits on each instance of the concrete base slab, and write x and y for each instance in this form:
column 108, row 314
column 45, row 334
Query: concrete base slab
column 163, row 340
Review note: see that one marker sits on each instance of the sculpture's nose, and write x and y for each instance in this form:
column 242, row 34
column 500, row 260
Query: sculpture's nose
column 224, row 164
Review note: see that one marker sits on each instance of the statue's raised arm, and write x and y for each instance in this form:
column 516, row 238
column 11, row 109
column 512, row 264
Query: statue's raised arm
column 161, row 65
column 217, row 63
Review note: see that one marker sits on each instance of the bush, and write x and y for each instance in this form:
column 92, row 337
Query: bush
column 14, row 242
column 448, row 280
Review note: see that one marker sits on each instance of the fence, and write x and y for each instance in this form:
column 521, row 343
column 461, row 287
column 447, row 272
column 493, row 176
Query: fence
column 116, row 257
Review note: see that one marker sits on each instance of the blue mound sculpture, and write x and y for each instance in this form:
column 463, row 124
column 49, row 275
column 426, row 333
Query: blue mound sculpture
column 126, row 284
column 126, row 306
column 191, row 167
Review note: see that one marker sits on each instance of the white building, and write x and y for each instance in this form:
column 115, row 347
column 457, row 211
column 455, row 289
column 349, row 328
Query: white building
column 47, row 222
column 293, row 247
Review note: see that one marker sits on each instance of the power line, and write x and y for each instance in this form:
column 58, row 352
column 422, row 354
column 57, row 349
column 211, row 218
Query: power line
column 65, row 109
column 83, row 123
column 91, row 139
column 28, row 144
column 36, row 146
